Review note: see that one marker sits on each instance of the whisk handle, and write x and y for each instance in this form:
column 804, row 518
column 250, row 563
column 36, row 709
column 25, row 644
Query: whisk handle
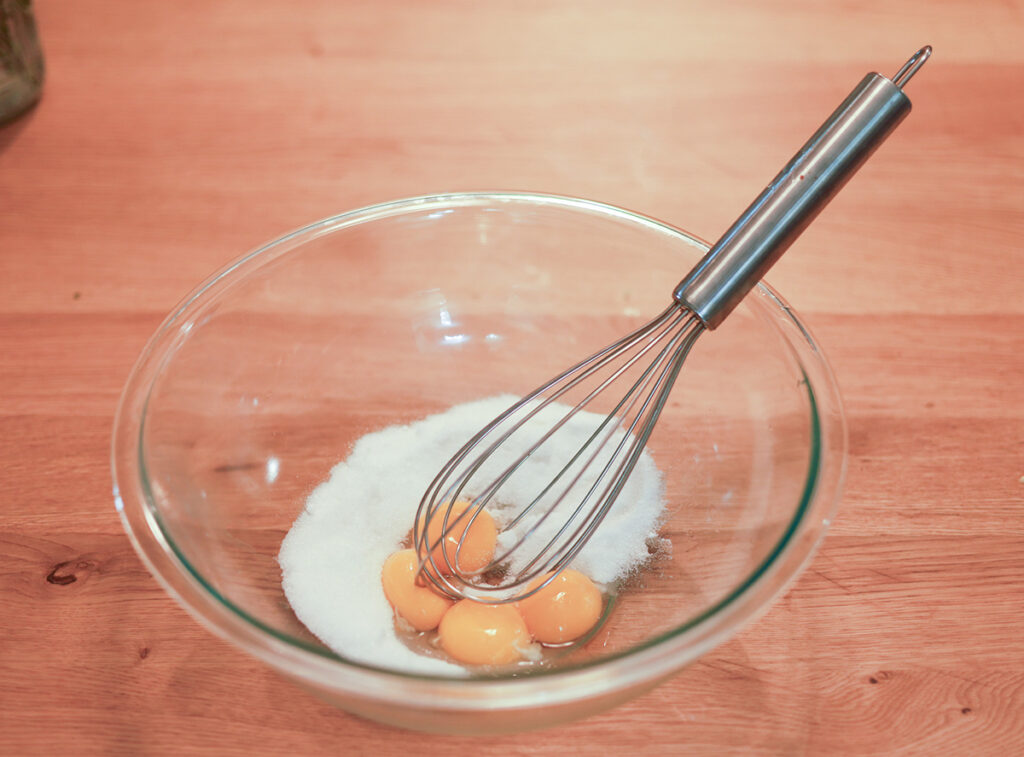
column 795, row 197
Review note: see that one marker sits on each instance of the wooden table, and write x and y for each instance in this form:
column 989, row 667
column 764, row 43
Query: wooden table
column 174, row 136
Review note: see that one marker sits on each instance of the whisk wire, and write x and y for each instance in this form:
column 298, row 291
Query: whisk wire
column 671, row 357
column 681, row 328
column 619, row 414
column 488, row 493
column 431, row 501
column 667, row 380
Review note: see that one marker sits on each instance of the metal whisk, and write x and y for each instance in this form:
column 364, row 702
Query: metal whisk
column 605, row 459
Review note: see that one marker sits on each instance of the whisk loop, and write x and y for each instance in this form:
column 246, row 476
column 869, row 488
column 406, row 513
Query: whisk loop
column 562, row 515
column 612, row 448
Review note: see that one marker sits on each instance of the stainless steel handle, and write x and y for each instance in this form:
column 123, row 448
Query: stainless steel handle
column 809, row 181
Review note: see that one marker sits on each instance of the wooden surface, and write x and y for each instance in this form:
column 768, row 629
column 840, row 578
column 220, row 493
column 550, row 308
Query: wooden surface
column 174, row 136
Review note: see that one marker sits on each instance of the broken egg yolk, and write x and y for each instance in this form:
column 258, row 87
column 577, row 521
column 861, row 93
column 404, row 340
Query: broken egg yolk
column 480, row 634
column 563, row 610
column 420, row 606
column 478, row 539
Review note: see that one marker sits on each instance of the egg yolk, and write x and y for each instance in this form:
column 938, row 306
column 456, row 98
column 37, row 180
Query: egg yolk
column 480, row 634
column 563, row 610
column 478, row 540
column 421, row 606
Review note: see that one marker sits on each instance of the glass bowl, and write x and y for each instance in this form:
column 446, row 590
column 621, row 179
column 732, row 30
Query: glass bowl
column 265, row 376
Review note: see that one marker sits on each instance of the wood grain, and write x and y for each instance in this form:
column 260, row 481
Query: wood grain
column 174, row 136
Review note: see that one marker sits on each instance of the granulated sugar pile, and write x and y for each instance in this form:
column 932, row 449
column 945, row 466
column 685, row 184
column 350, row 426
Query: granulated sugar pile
column 331, row 558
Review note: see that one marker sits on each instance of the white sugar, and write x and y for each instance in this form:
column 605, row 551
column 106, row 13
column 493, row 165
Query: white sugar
column 331, row 558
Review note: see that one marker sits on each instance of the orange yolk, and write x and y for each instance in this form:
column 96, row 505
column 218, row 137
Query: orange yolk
column 480, row 634
column 478, row 541
column 563, row 610
column 421, row 606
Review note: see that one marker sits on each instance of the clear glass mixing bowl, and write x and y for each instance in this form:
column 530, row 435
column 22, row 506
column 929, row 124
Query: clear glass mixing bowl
column 262, row 379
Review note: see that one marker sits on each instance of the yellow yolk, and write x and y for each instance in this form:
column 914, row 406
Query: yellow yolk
column 477, row 544
column 563, row 610
column 421, row 606
column 481, row 634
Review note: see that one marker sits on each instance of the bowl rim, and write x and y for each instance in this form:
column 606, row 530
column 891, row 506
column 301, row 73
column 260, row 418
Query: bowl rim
column 654, row 659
